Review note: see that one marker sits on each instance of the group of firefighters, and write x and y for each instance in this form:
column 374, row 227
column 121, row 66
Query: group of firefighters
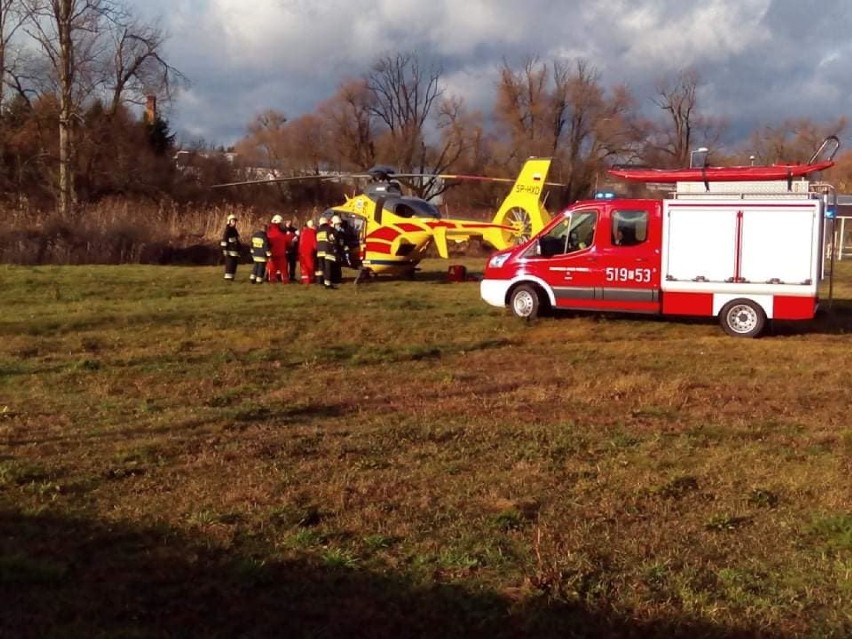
column 320, row 249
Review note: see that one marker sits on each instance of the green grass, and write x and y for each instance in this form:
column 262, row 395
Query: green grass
column 401, row 459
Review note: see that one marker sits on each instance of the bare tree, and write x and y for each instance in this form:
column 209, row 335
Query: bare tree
column 136, row 68
column 685, row 123
column 90, row 51
column 67, row 31
column 266, row 142
column 404, row 95
column 792, row 140
column 561, row 110
column 591, row 128
column 522, row 101
column 11, row 19
column 349, row 117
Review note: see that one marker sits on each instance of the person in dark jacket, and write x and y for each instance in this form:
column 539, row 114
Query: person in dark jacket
column 322, row 247
column 260, row 255
column 292, row 249
column 231, row 247
column 328, row 243
column 340, row 249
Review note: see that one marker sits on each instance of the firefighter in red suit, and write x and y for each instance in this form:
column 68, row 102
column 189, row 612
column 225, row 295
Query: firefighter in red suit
column 279, row 243
column 308, row 252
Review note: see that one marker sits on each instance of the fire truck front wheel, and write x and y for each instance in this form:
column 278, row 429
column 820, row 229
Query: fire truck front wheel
column 742, row 318
column 525, row 302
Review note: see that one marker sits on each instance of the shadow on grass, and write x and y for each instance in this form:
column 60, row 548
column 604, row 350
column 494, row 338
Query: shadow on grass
column 836, row 320
column 237, row 417
column 440, row 277
column 64, row 577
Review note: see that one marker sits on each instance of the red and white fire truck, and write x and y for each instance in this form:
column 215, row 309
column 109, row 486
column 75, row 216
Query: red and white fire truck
column 744, row 246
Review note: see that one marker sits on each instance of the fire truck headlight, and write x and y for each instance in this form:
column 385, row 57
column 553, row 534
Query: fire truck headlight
column 498, row 260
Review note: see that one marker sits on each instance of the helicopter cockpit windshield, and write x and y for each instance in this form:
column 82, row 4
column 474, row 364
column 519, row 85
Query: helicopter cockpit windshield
column 412, row 207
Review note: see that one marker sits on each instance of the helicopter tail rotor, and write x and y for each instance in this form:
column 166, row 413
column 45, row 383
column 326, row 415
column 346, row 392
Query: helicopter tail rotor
column 522, row 211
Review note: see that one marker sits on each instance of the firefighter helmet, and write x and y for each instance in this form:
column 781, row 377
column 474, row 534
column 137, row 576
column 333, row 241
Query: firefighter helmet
column 336, row 220
column 277, row 219
column 232, row 218
column 323, row 220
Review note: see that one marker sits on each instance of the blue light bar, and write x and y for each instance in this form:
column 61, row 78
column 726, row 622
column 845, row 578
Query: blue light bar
column 604, row 195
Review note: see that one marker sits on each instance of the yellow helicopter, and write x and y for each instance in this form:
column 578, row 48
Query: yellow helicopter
column 394, row 230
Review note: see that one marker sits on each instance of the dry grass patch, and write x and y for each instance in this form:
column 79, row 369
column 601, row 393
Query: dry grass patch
column 402, row 454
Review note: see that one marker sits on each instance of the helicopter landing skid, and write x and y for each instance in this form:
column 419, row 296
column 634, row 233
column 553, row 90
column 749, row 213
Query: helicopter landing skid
column 364, row 275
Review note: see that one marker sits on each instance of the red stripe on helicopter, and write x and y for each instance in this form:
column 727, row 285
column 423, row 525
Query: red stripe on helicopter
column 410, row 228
column 450, row 224
column 378, row 247
column 384, row 233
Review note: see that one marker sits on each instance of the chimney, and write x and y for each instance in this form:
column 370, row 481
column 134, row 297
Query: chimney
column 151, row 109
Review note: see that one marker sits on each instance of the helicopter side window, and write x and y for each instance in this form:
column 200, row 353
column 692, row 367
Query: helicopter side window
column 425, row 209
column 404, row 210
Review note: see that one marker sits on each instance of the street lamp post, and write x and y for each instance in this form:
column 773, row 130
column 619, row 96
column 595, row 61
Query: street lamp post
column 692, row 155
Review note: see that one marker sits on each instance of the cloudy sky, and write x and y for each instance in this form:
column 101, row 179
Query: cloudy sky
column 760, row 61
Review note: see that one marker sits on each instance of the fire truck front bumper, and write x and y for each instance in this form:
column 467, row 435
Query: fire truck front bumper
column 494, row 292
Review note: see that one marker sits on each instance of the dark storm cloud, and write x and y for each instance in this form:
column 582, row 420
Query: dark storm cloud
column 761, row 61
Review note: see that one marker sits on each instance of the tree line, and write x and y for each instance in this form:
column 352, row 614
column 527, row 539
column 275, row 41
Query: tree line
column 397, row 113
column 72, row 73
column 75, row 74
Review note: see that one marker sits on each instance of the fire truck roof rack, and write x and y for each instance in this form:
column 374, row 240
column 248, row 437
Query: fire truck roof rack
column 762, row 189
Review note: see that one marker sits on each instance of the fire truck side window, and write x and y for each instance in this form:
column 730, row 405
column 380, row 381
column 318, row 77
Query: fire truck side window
column 553, row 242
column 582, row 232
column 571, row 234
column 629, row 228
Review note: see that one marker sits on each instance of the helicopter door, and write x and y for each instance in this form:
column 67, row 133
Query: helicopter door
column 358, row 229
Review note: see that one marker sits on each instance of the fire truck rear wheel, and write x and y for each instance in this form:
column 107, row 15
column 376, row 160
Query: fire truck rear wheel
column 742, row 318
column 525, row 302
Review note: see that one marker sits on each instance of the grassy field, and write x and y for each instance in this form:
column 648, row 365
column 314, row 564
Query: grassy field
column 184, row 457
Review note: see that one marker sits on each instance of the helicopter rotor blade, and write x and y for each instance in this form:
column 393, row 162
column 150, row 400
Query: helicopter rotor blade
column 461, row 177
column 483, row 178
column 295, row 178
column 387, row 176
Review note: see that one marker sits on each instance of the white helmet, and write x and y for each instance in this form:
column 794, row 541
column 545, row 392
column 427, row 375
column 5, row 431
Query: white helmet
column 335, row 219
column 277, row 219
column 232, row 218
column 323, row 220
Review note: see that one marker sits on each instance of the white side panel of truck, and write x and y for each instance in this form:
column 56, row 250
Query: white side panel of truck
column 779, row 244
column 700, row 243
column 757, row 242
